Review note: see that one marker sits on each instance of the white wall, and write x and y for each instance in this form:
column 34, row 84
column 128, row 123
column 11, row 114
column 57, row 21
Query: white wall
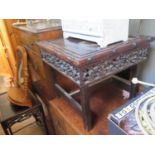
column 145, row 27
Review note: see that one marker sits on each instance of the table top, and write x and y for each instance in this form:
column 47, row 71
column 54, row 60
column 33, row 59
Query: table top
column 79, row 52
column 8, row 110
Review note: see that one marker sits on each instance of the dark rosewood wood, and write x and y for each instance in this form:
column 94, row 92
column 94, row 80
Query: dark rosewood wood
column 86, row 64
column 70, row 66
column 11, row 114
column 79, row 54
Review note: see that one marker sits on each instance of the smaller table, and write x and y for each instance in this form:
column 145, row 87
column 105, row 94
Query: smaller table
column 11, row 114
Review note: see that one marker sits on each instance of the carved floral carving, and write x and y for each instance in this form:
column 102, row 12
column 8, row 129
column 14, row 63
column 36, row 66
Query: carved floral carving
column 97, row 70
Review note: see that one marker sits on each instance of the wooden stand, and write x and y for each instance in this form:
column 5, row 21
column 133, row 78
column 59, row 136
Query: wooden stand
column 11, row 114
column 19, row 93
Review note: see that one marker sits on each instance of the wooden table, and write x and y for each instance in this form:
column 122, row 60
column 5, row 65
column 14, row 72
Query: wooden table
column 86, row 64
column 11, row 114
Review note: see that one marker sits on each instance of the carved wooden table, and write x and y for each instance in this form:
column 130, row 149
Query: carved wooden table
column 11, row 114
column 86, row 64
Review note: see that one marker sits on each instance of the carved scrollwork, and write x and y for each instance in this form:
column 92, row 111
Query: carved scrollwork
column 114, row 65
column 61, row 66
column 97, row 70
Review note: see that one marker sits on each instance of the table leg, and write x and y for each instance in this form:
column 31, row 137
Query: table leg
column 10, row 131
column 134, row 88
column 40, row 118
column 6, row 129
column 54, row 81
column 85, row 108
column 44, row 121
